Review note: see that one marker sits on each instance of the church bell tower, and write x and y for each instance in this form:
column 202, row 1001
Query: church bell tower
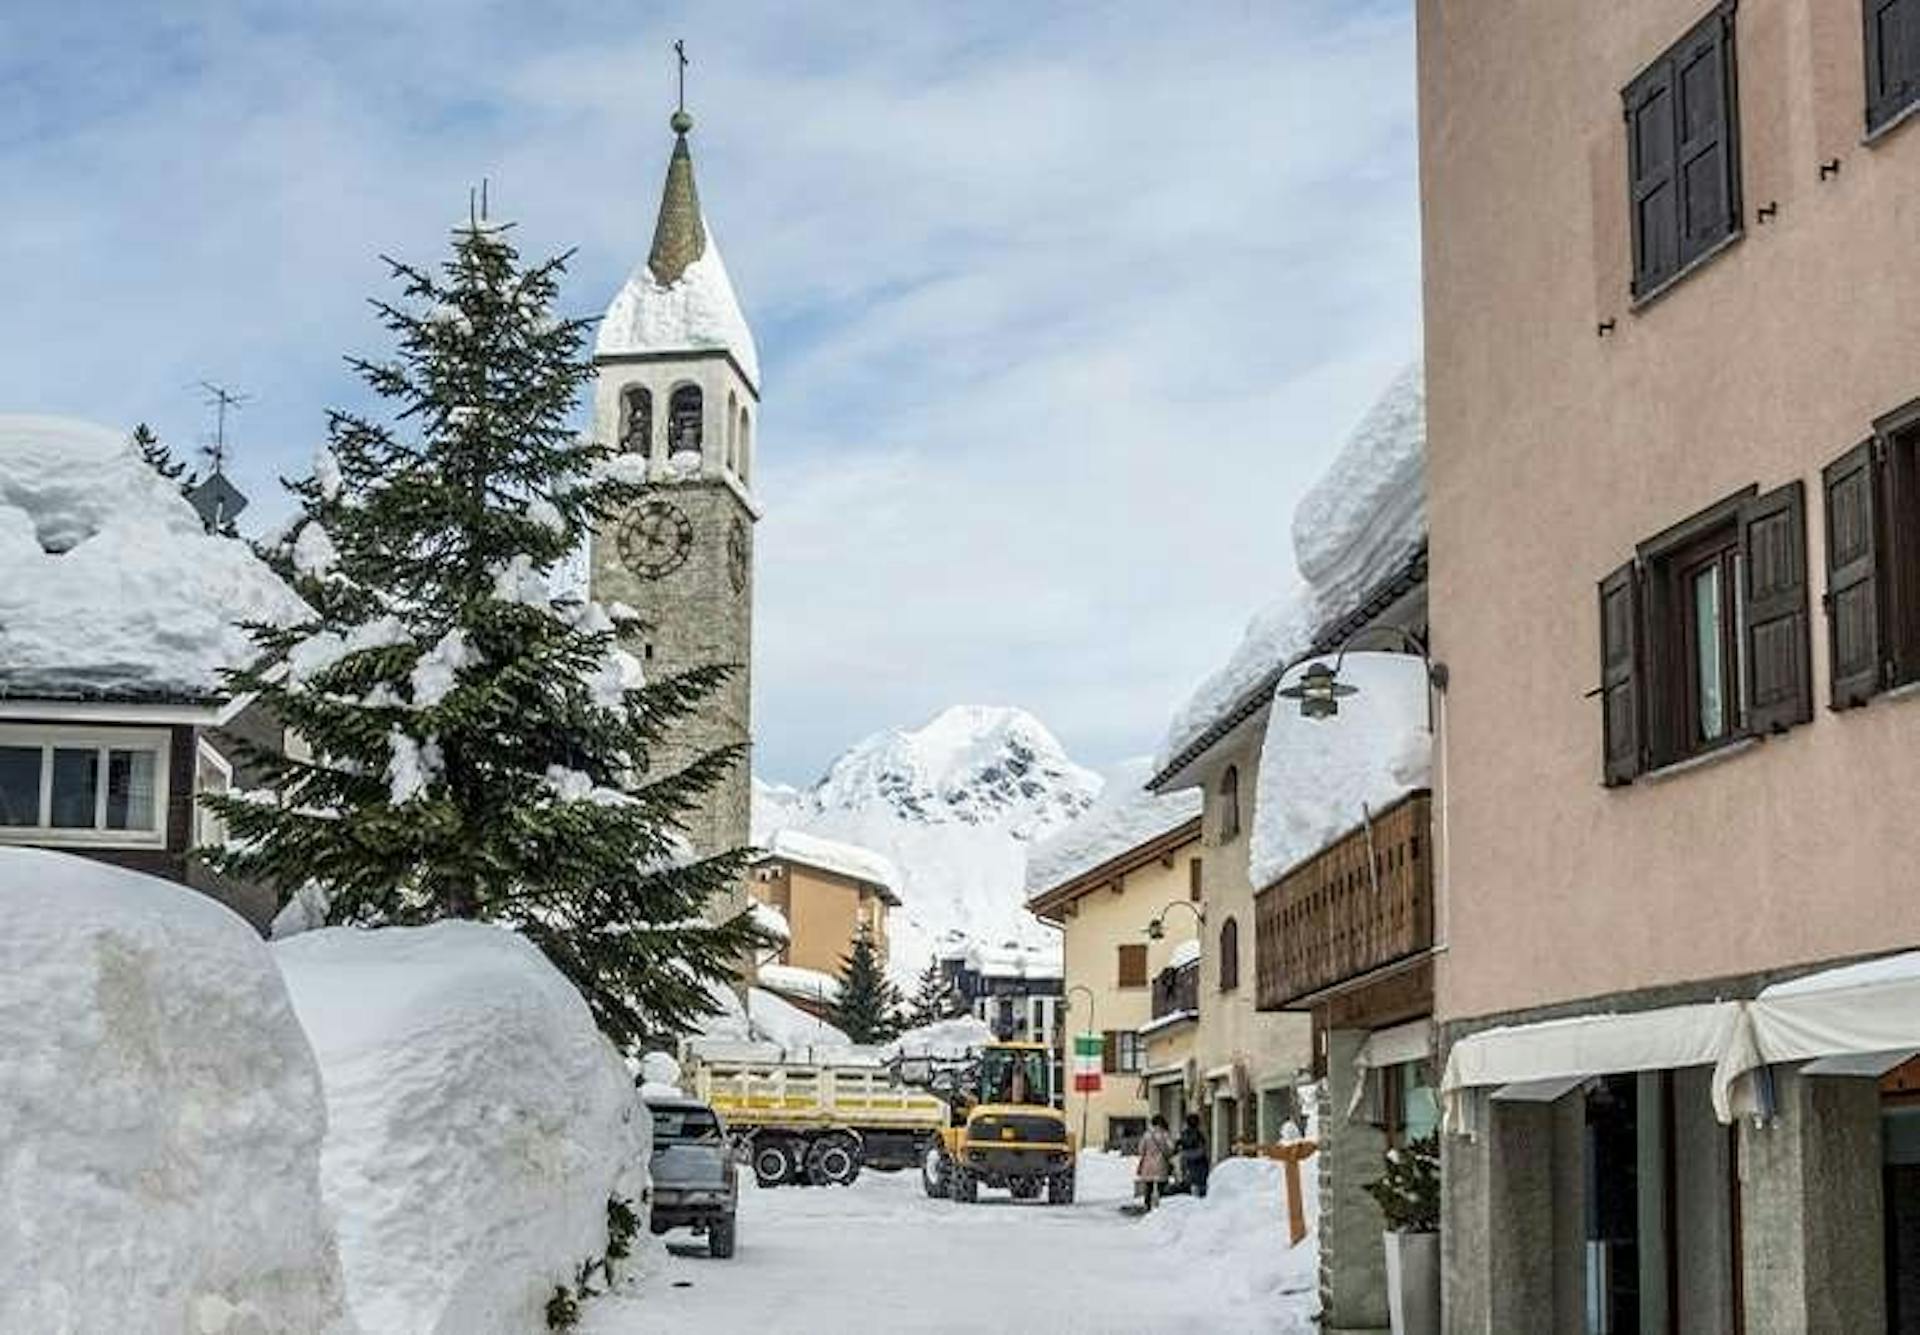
column 678, row 383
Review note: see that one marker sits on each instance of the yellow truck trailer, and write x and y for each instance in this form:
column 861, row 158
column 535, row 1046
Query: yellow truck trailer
column 817, row 1123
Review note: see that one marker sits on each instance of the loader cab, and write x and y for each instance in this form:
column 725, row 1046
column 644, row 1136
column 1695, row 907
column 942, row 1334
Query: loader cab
column 1015, row 1075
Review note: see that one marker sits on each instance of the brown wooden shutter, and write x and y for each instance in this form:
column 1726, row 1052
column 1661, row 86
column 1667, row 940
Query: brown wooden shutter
column 1776, row 655
column 1622, row 745
column 1110, row 1051
column 1193, row 880
column 1654, row 201
column 1133, row 966
column 1853, row 600
column 1892, row 29
column 1708, row 169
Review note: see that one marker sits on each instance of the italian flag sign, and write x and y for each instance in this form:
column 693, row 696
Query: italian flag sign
column 1087, row 1052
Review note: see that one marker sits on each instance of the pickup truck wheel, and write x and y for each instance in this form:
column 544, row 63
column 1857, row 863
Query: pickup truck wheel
column 773, row 1162
column 936, row 1172
column 1060, row 1189
column 720, row 1237
column 834, row 1161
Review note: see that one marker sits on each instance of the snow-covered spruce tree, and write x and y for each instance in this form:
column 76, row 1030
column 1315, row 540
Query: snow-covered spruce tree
column 932, row 998
column 868, row 1009
column 477, row 744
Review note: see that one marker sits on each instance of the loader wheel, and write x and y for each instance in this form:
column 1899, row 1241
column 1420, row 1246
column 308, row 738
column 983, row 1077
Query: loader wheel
column 1060, row 1189
column 1025, row 1188
column 773, row 1162
column 834, row 1161
column 966, row 1185
column 936, row 1172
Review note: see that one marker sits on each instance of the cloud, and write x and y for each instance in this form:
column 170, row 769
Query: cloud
column 1061, row 308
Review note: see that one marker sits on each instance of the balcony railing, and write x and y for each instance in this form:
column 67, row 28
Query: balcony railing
column 1362, row 902
column 1176, row 990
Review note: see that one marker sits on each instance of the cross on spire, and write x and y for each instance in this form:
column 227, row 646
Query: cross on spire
column 680, row 50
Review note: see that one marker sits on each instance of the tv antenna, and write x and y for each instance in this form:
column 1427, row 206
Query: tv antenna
column 221, row 399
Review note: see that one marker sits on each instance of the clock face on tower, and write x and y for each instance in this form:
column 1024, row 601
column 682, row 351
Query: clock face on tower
column 655, row 540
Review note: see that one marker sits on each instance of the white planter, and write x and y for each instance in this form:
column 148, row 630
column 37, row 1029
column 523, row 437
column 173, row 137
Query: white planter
column 1413, row 1282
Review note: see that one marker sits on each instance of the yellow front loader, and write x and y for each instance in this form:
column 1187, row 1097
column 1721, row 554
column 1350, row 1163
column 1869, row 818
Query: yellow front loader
column 1004, row 1132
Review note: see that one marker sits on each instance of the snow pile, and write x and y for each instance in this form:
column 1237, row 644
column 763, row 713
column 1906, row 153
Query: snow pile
column 770, row 920
column 954, row 805
column 660, row 1077
column 832, row 855
column 798, row 982
column 775, row 1020
column 943, row 1039
column 700, row 311
column 112, row 584
column 477, row 1123
column 1233, row 1242
column 1125, row 817
column 1361, row 521
column 160, row 1116
column 1319, row 778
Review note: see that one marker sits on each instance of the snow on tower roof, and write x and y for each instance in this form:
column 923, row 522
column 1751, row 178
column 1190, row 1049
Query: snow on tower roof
column 680, row 299
column 861, row 864
column 114, row 590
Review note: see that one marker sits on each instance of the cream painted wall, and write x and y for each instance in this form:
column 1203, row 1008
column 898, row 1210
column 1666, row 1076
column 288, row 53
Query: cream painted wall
column 1553, row 451
column 1102, row 921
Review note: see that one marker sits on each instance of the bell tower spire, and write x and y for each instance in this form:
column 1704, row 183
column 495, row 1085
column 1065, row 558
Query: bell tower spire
column 680, row 233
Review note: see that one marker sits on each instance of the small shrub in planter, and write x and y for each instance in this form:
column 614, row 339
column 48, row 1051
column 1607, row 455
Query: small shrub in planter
column 1408, row 1193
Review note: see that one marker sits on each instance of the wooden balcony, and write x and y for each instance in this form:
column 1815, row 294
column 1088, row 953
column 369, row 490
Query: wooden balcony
column 1176, row 991
column 1363, row 902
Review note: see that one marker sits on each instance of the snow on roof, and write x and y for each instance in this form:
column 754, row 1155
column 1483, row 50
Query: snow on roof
column 1361, row 521
column 696, row 313
column 796, row 981
column 1124, row 817
column 1319, row 777
column 1187, row 952
column 113, row 587
column 831, row 855
column 1011, row 960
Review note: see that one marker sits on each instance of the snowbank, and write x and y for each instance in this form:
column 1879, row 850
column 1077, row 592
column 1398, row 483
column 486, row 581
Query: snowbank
column 477, row 1123
column 112, row 584
column 1320, row 777
column 1362, row 520
column 1124, row 817
column 1233, row 1242
column 861, row 864
column 778, row 1021
column 160, row 1116
column 699, row 311
column 946, row 1039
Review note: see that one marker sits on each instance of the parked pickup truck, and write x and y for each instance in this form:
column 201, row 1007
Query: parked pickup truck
column 694, row 1185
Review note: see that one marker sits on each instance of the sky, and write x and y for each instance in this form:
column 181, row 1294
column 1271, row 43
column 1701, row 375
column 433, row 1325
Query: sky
column 1060, row 306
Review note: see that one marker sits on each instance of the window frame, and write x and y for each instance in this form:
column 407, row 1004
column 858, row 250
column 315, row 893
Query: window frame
column 1670, row 659
column 1228, row 791
column 48, row 739
column 1884, row 111
column 1646, row 284
column 1892, row 463
column 1230, row 955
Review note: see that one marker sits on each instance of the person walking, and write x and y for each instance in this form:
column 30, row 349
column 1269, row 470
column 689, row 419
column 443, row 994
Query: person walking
column 1194, row 1159
column 1156, row 1162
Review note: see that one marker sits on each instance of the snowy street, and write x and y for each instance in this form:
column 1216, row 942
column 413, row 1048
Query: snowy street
column 880, row 1256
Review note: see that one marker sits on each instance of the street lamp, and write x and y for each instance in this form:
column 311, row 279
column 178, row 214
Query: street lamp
column 1157, row 929
column 1320, row 689
column 1086, row 1095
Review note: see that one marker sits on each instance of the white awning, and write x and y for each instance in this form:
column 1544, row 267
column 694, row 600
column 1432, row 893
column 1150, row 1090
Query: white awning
column 1868, row 1014
column 1155, row 1076
column 1382, row 1048
column 1581, row 1047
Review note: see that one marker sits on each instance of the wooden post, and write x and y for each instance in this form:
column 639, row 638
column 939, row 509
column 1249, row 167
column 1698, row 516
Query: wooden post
column 1290, row 1156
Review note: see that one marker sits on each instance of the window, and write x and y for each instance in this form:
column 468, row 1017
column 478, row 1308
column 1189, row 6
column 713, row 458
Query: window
column 211, row 774
column 1704, row 635
column 80, row 787
column 1893, row 59
column 1230, row 804
column 733, row 433
column 1123, row 1053
column 1683, row 154
column 1193, row 880
column 684, row 412
column 1133, row 966
column 746, row 446
column 636, row 421
column 1873, row 562
column 1229, row 955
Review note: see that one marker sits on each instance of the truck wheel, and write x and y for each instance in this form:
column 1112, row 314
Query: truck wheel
column 936, row 1172
column 966, row 1185
column 720, row 1237
column 773, row 1162
column 1060, row 1189
column 834, row 1161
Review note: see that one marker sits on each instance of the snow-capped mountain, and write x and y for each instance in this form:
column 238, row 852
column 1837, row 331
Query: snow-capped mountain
column 956, row 804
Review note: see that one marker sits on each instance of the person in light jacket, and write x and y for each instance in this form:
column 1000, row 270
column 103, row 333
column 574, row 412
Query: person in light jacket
column 1156, row 1161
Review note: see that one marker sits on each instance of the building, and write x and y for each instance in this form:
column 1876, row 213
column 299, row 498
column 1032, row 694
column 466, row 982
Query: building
column 1171, row 1077
column 117, row 615
column 1017, row 991
column 677, row 382
column 1668, row 295
column 829, row 893
column 1103, row 881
